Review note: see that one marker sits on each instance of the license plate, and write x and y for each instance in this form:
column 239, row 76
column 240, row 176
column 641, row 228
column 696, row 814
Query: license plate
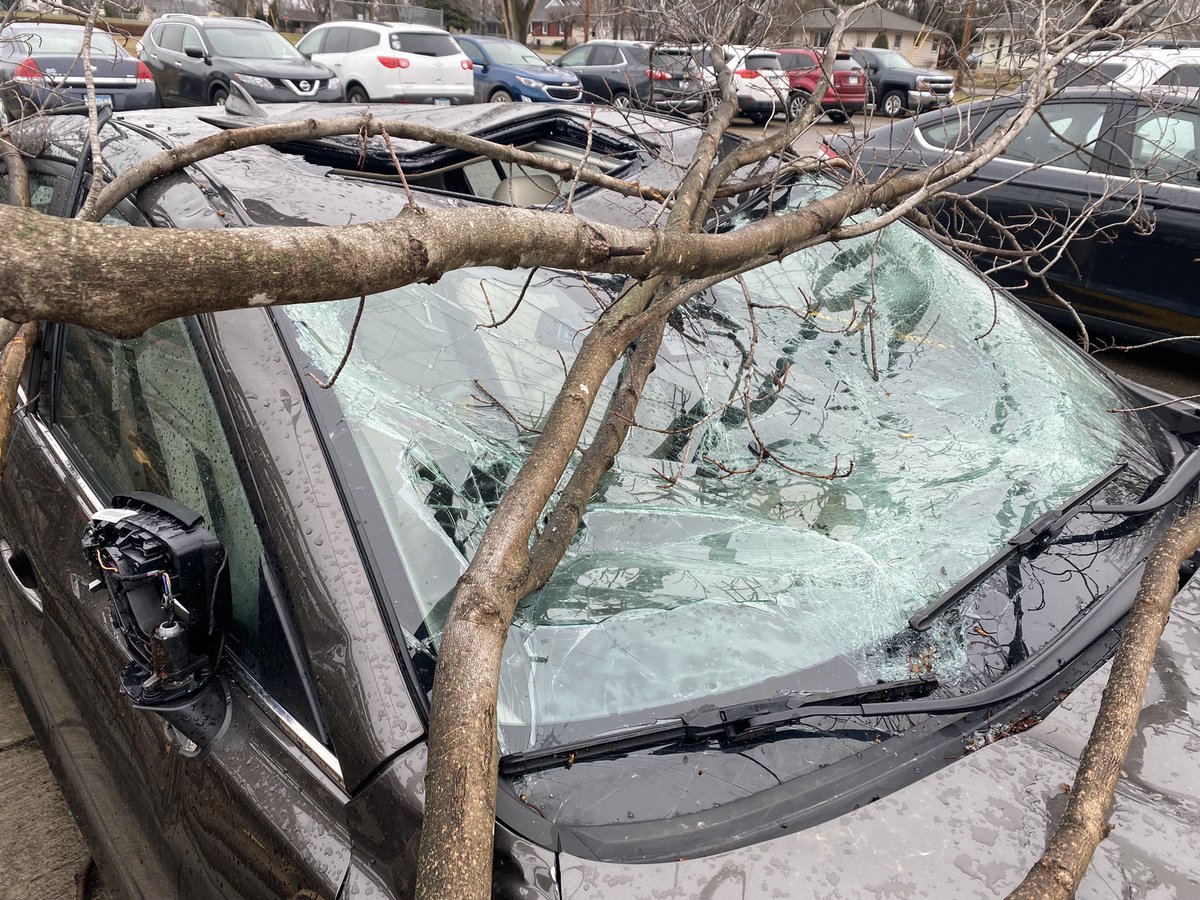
column 441, row 101
column 853, row 79
column 103, row 99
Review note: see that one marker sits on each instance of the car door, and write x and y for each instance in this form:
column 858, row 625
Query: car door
column 164, row 58
column 194, row 71
column 591, row 63
column 1053, row 173
column 259, row 811
column 1146, row 277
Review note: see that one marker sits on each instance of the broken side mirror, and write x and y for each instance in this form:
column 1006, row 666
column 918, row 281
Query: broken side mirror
column 168, row 582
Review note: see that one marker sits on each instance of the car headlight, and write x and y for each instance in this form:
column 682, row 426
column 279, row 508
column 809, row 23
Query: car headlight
column 252, row 80
column 528, row 82
column 335, row 83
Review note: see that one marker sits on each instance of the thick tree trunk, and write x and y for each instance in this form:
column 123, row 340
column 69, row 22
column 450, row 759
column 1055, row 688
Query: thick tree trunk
column 1085, row 823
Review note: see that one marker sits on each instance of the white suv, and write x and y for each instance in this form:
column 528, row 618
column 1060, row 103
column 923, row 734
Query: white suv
column 393, row 61
column 1172, row 64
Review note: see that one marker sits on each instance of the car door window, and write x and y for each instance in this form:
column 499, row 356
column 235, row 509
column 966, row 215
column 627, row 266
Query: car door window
column 361, row 39
column 1064, row 135
column 606, row 56
column 191, row 40
column 576, row 57
column 170, row 37
column 141, row 416
column 1165, row 145
column 474, row 54
column 311, row 42
column 337, row 39
column 1182, row 76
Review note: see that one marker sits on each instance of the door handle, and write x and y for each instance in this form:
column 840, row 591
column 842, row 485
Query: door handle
column 20, row 570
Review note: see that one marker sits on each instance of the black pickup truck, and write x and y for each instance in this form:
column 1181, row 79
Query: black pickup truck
column 898, row 87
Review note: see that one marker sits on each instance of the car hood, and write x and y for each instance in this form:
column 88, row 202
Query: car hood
column 549, row 75
column 276, row 68
column 974, row 828
column 933, row 74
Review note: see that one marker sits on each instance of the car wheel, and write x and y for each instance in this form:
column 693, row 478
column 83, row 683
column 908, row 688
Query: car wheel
column 357, row 94
column 219, row 96
column 760, row 118
column 893, row 104
column 837, row 116
column 621, row 100
column 501, row 96
column 795, row 107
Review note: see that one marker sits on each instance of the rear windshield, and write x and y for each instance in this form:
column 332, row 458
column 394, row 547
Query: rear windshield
column 250, row 43
column 424, row 44
column 845, row 65
column 762, row 61
column 58, row 41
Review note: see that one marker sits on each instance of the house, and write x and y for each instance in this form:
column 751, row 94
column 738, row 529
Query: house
column 920, row 43
column 555, row 20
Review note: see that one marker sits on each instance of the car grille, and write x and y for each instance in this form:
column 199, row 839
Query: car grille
column 305, row 87
column 941, row 87
column 563, row 93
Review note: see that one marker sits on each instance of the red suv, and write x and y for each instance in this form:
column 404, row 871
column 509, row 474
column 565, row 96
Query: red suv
column 845, row 96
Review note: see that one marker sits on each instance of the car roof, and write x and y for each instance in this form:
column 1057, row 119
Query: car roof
column 410, row 27
column 223, row 21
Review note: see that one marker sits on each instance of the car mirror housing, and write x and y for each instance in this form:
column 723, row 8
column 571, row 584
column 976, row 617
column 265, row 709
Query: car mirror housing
column 168, row 582
column 307, row 54
column 195, row 53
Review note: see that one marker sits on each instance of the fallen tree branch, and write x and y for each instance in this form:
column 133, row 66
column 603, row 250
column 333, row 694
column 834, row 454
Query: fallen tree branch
column 1085, row 823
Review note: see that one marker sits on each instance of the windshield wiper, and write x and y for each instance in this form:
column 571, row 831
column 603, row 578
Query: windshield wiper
column 1046, row 527
column 736, row 722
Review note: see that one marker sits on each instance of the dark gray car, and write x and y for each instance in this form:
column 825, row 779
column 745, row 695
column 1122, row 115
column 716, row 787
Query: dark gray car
column 41, row 67
column 716, row 678
column 195, row 59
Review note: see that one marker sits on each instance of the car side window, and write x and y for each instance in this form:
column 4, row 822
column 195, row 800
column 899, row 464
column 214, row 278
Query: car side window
column 170, row 37
column 1182, row 76
column 337, row 39
column 576, row 57
column 361, row 39
column 191, row 39
column 606, row 56
column 474, row 54
column 141, row 414
column 1165, row 146
column 311, row 42
column 1064, row 135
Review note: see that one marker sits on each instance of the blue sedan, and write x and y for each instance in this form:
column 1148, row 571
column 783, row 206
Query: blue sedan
column 506, row 71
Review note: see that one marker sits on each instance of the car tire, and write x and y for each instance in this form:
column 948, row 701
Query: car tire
column 795, row 106
column 219, row 95
column 893, row 104
column 500, row 95
column 358, row 94
column 837, row 116
column 760, row 118
column 622, row 100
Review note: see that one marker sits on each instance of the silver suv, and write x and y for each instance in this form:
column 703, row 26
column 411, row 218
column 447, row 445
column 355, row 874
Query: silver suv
column 195, row 59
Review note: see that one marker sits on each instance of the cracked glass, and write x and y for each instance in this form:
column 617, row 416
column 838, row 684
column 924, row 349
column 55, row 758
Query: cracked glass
column 707, row 564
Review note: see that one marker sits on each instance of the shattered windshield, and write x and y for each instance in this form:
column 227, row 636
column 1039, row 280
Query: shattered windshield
column 707, row 563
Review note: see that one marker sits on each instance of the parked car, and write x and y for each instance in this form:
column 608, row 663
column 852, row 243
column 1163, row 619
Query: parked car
column 899, row 87
column 41, row 67
column 634, row 74
column 194, row 60
column 760, row 82
column 717, row 676
column 1138, row 65
column 388, row 61
column 1132, row 280
column 848, row 82
column 506, row 71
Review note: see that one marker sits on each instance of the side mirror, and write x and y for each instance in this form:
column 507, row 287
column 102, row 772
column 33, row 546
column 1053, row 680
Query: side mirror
column 195, row 53
column 481, row 67
column 168, row 582
column 307, row 54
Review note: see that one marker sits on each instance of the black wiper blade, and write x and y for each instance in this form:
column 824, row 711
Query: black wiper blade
column 1042, row 529
column 739, row 721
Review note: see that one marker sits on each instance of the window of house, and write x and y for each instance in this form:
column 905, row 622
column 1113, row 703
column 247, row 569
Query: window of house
column 897, row 40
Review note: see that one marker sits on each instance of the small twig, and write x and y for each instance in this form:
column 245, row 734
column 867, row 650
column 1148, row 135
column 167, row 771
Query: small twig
column 511, row 312
column 410, row 200
column 493, row 401
column 326, row 385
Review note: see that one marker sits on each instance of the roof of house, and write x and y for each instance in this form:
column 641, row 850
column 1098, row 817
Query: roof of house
column 871, row 19
column 554, row 10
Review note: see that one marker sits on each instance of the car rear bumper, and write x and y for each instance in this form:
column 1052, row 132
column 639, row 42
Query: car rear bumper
column 29, row 98
column 457, row 94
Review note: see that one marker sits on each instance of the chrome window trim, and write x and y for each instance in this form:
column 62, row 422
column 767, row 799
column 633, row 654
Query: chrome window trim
column 90, row 502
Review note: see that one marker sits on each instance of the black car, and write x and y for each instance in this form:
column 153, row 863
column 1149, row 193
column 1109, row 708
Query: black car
column 899, row 87
column 634, row 74
column 1094, row 153
column 195, row 59
column 717, row 676
column 41, row 67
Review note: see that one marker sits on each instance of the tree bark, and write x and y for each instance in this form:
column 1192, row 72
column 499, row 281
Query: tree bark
column 1085, row 823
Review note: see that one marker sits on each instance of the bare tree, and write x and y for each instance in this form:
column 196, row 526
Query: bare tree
column 93, row 275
